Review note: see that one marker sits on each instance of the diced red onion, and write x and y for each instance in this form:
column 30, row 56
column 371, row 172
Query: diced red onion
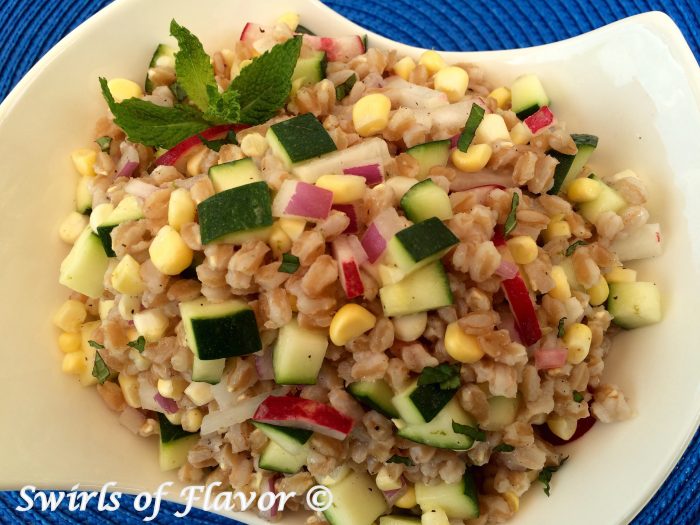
column 272, row 512
column 542, row 118
column 373, row 243
column 132, row 419
column 263, row 365
column 302, row 199
column 167, row 404
column 392, row 496
column 129, row 160
column 349, row 210
column 507, row 269
column 454, row 140
column 128, row 169
column 546, row 358
column 139, row 188
column 383, row 227
column 467, row 181
column 373, row 173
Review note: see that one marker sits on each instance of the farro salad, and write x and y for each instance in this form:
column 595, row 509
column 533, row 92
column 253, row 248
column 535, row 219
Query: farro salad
column 305, row 260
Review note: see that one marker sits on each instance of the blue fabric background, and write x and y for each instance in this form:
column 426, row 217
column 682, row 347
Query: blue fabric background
column 29, row 28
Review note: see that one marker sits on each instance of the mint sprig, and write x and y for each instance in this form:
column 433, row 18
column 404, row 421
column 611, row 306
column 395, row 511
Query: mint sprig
column 193, row 66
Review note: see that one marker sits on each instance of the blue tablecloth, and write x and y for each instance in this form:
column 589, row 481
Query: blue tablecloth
column 29, row 28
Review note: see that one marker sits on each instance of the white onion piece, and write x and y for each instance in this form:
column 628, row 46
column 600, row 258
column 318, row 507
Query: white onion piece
column 238, row 413
column 139, row 188
column 132, row 419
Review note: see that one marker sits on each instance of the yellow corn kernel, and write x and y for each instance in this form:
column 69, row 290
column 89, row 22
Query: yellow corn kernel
column 345, row 188
column 561, row 289
column 168, row 251
column 292, row 227
column 404, row 67
column 254, row 145
column 128, row 306
column 181, row 208
column 408, row 500
column 385, row 481
column 104, row 306
column 192, row 420
column 474, row 159
column 556, row 229
column 195, row 162
column 176, row 418
column 151, row 324
column 434, row 517
column 84, row 161
column 502, row 97
column 122, row 88
column 173, row 388
column 513, row 500
column 410, row 327
column 577, row 339
column 351, row 321
column 70, row 316
column 130, row 389
column 599, row 292
column 199, row 393
column 562, row 427
column 461, row 346
column 432, row 61
column 621, row 275
column 99, row 214
column 279, row 241
column 140, row 362
column 520, row 134
column 70, row 342
column 523, row 248
column 291, row 20
column 453, row 81
column 370, row 114
column 73, row 363
column 126, row 277
column 584, row 190
column 72, row 226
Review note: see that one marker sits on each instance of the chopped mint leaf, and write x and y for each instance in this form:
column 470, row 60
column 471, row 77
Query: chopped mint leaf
column 215, row 145
column 578, row 396
column 512, row 220
column 343, row 90
column 104, row 143
column 290, row 263
column 473, row 432
column 560, row 327
column 223, row 107
column 195, row 74
column 446, row 375
column 503, row 447
column 264, row 85
column 545, row 475
column 572, row 247
column 95, row 344
column 100, row 371
column 400, row 459
column 476, row 115
column 139, row 344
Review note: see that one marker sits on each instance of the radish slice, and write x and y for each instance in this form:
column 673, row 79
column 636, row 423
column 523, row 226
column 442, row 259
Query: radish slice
column 300, row 199
column 467, row 181
column 339, row 49
column 546, row 358
column 238, row 412
column 350, row 255
column 413, row 96
column 383, row 228
column 351, row 212
column 507, row 269
column 542, row 118
column 167, row 404
column 170, row 157
column 296, row 412
column 138, row 188
column 373, row 173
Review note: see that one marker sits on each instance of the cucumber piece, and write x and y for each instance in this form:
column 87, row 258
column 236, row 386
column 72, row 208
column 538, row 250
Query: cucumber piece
column 175, row 443
column 298, row 354
column 277, row 459
column 234, row 174
column 290, row 439
column 502, row 412
column 219, row 330
column 84, row 268
column 398, row 520
column 244, row 209
column 83, row 197
column 459, row 500
column 299, row 138
column 438, row 432
column 128, row 209
column 425, row 289
column 419, row 404
column 527, row 96
column 356, row 501
column 571, row 165
column 311, row 70
column 429, row 155
column 163, row 56
column 208, row 371
column 425, row 200
column 635, row 304
column 608, row 200
column 376, row 395
column 419, row 245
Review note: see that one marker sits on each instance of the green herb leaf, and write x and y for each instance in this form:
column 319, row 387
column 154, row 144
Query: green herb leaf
column 192, row 66
column 139, row 344
column 95, row 344
column 215, row 145
column 545, row 475
column 400, row 459
column 153, row 125
column 290, row 263
column 446, row 375
column 473, row 432
column 476, row 115
column 342, row 90
column 104, row 143
column 223, row 107
column 578, row 396
column 100, row 371
column 560, row 327
column 503, row 447
column 572, row 247
column 178, row 92
column 512, row 220
column 264, row 85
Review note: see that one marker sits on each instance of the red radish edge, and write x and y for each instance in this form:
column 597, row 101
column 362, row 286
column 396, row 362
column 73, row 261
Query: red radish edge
column 174, row 154
column 350, row 255
column 166, row 403
column 582, row 427
column 349, row 210
column 542, row 118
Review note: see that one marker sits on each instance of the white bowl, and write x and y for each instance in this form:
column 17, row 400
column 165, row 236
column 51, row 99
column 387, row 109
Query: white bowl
column 634, row 83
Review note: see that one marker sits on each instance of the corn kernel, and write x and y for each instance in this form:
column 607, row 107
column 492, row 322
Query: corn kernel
column 291, row 20
column 345, row 188
column 130, row 389
column 73, row 363
column 370, row 114
column 84, row 161
column 399, row 185
column 453, row 81
column 104, row 306
column 562, row 427
column 461, row 346
column 122, row 88
column 194, row 163
column 599, row 292
column 410, row 327
column 99, row 215
column 432, row 61
column 385, row 481
column 176, row 418
column 199, row 393
column 169, row 253
column 72, row 226
column 502, row 97
column 254, row 145
column 523, row 248
column 561, row 289
column 513, row 500
column 181, row 208
column 128, row 306
column 292, row 227
column 556, row 229
column 351, row 321
column 520, row 134
column 408, row 500
column 621, row 275
column 172, row 388
column 140, row 362
column 584, row 190
column 70, row 316
column 151, row 324
column 404, row 67
column 70, row 342
column 492, row 129
column 126, row 277
column 192, row 420
column 577, row 339
column 279, row 241
column 474, row 159
column 434, row 517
